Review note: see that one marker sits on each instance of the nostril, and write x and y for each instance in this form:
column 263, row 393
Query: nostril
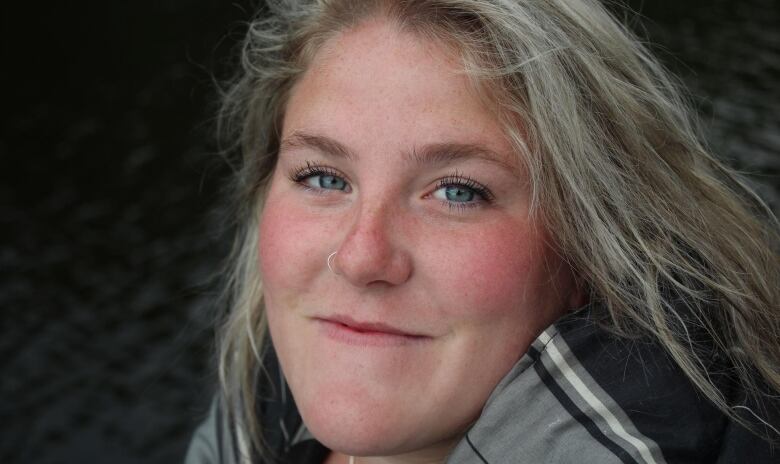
column 372, row 267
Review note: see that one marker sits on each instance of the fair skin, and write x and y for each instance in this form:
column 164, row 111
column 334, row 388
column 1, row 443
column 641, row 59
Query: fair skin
column 441, row 277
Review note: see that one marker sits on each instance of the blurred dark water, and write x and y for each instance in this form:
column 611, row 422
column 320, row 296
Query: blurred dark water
column 109, row 182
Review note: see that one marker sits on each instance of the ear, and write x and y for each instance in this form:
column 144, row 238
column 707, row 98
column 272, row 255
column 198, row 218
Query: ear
column 580, row 295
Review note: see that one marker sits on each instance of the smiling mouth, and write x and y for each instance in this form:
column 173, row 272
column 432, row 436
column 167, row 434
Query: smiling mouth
column 347, row 330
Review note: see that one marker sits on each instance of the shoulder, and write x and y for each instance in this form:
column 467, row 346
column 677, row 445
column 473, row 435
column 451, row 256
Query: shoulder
column 213, row 441
column 583, row 394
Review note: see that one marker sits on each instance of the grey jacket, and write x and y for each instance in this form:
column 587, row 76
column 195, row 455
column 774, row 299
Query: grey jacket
column 579, row 395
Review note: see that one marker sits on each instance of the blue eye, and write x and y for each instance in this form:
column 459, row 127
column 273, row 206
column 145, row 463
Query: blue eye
column 455, row 193
column 462, row 192
column 319, row 178
column 325, row 181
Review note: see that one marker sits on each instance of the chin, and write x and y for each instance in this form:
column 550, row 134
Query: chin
column 343, row 424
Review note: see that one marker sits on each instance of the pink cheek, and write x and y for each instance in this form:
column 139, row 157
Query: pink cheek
column 500, row 271
column 271, row 249
column 284, row 244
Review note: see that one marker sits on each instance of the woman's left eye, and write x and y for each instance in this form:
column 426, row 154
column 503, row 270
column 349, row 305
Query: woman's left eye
column 462, row 192
column 455, row 193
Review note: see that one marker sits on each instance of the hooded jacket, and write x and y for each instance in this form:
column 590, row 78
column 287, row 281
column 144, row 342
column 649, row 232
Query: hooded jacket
column 579, row 395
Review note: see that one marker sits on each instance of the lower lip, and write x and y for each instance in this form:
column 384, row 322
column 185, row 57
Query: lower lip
column 351, row 336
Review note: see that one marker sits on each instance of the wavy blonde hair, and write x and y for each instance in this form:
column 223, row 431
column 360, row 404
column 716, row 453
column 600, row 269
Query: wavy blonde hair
column 670, row 242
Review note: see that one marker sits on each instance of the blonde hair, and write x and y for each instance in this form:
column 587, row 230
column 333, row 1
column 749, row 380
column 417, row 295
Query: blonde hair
column 670, row 242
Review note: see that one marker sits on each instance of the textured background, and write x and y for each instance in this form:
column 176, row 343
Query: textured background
column 109, row 182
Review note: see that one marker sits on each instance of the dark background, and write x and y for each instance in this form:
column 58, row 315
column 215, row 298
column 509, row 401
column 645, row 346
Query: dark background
column 110, row 183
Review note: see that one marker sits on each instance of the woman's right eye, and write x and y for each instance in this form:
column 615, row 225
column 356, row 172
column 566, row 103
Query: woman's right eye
column 317, row 178
column 324, row 181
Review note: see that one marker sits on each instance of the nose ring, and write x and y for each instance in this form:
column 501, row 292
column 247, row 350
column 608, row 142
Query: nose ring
column 330, row 256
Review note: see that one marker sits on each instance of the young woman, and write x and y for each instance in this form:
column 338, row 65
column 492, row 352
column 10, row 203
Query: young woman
column 485, row 231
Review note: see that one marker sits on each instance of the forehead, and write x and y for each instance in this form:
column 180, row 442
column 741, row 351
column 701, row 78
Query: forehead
column 376, row 84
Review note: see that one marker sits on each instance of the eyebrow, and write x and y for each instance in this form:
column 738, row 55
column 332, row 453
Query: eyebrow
column 432, row 154
column 326, row 145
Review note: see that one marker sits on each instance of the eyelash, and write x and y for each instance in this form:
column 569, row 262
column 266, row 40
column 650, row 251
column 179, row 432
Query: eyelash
column 300, row 174
column 459, row 180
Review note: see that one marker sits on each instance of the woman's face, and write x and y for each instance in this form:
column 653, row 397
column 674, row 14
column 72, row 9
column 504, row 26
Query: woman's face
column 440, row 280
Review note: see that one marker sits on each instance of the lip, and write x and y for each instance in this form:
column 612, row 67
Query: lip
column 346, row 329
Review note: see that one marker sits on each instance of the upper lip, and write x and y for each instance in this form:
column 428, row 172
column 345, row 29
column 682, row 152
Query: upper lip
column 369, row 326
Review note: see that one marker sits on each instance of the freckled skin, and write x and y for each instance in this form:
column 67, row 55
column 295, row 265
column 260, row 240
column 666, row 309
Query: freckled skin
column 480, row 283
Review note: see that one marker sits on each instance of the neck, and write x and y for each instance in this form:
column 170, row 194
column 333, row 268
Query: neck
column 432, row 454
column 340, row 458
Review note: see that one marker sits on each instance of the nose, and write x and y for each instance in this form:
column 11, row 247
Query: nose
column 372, row 253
